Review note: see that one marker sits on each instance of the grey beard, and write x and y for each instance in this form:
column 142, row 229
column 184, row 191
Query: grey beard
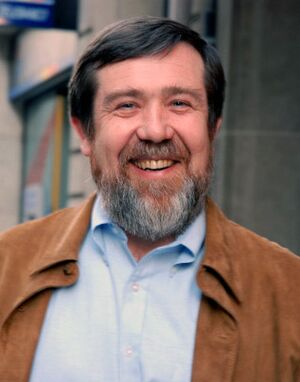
column 147, row 217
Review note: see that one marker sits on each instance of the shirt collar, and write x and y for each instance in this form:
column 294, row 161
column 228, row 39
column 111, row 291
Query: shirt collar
column 99, row 215
column 101, row 219
column 192, row 238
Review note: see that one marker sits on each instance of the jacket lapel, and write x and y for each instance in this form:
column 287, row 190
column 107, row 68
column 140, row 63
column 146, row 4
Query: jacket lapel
column 216, row 343
column 41, row 255
column 48, row 259
column 53, row 264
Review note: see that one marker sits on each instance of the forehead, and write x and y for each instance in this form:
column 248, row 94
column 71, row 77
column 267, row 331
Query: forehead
column 181, row 66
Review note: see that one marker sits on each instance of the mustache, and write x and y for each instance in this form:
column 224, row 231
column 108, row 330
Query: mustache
column 140, row 150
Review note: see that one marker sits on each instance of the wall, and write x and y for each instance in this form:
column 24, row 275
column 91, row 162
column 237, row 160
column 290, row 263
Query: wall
column 10, row 145
column 258, row 151
column 257, row 173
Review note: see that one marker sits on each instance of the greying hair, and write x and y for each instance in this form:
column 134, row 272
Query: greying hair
column 138, row 37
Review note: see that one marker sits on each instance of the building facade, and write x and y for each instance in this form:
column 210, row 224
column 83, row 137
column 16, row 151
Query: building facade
column 257, row 177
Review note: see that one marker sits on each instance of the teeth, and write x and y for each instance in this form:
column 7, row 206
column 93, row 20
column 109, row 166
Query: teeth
column 154, row 164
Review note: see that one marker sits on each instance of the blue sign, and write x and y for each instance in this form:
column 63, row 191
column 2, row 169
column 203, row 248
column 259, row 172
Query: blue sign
column 26, row 13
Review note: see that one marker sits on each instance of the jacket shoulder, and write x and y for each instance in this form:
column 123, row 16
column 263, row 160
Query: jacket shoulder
column 265, row 246
column 263, row 250
column 251, row 256
column 31, row 230
column 45, row 234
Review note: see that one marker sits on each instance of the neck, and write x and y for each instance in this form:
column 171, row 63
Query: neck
column 140, row 247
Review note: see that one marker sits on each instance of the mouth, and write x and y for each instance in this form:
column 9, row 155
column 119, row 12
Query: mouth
column 154, row 164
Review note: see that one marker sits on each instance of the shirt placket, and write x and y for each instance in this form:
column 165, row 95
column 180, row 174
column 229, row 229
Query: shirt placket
column 131, row 326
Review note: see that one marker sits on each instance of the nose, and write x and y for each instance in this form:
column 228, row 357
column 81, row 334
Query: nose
column 154, row 126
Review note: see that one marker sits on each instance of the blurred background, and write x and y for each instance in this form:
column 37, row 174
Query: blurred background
column 257, row 175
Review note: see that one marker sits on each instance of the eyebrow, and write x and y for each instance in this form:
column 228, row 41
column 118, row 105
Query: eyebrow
column 168, row 91
column 197, row 94
column 114, row 95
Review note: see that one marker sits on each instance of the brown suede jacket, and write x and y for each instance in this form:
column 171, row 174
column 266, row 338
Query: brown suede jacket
column 249, row 323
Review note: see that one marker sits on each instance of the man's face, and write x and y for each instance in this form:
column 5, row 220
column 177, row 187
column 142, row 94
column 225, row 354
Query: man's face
column 150, row 120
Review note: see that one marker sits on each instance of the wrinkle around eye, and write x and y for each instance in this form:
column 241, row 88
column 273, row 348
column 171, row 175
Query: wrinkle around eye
column 179, row 103
column 125, row 109
column 126, row 106
column 180, row 107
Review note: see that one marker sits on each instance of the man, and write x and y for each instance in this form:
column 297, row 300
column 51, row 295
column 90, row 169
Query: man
column 147, row 281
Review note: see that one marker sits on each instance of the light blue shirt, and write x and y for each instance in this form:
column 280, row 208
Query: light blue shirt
column 124, row 321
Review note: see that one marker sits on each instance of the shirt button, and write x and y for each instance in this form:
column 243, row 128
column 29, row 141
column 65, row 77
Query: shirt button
column 128, row 352
column 135, row 287
column 67, row 270
column 21, row 308
column 173, row 271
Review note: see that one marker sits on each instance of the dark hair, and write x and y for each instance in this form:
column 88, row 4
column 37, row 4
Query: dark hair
column 137, row 37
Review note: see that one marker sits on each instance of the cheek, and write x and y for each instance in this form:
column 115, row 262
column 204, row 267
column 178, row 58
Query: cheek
column 111, row 141
column 198, row 143
column 195, row 136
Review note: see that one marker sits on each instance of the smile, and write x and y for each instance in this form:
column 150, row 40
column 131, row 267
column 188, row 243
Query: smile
column 152, row 164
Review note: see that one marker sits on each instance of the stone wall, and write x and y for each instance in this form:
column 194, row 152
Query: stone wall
column 10, row 145
column 259, row 149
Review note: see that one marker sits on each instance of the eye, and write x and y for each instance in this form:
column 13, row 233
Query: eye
column 179, row 103
column 126, row 109
column 126, row 106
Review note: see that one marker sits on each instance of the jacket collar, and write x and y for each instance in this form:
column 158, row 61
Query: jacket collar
column 58, row 239
column 219, row 274
column 42, row 254
column 64, row 235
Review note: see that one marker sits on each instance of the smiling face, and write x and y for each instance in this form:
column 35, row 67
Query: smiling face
column 150, row 120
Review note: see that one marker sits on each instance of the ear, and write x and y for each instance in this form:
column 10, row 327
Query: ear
column 85, row 143
column 217, row 128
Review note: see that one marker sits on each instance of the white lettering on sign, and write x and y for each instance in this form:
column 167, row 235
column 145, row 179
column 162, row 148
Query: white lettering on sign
column 23, row 13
